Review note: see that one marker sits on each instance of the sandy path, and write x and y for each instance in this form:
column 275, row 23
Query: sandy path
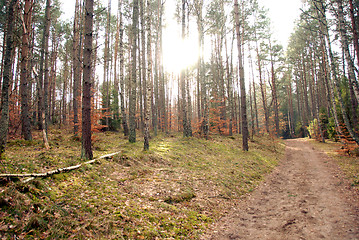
column 304, row 198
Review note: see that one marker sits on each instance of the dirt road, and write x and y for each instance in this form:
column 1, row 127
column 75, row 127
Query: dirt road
column 304, row 198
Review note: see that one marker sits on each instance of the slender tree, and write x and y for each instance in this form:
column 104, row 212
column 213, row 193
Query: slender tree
column 133, row 86
column 149, row 79
column 87, row 82
column 25, row 71
column 244, row 122
column 122, row 76
column 76, row 67
column 7, row 69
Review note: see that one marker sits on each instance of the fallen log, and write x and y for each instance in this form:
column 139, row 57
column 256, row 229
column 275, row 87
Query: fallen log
column 31, row 176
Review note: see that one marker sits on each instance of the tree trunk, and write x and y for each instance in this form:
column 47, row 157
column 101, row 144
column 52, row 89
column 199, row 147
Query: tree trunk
column 186, row 128
column 148, row 94
column 115, row 74
column 45, row 45
column 261, row 84
column 25, row 72
column 143, row 64
column 242, row 81
column 7, row 69
column 87, row 82
column 64, row 91
column 274, row 92
column 76, row 68
column 133, row 87
column 122, row 78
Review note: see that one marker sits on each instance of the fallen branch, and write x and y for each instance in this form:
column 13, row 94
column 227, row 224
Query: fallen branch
column 59, row 170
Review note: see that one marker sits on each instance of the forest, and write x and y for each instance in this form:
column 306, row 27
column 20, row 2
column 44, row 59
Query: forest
column 243, row 82
column 100, row 82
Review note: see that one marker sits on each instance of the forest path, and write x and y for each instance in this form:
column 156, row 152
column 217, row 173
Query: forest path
column 305, row 197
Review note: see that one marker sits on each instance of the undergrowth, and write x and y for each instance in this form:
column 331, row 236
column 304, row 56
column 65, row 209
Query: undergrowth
column 173, row 191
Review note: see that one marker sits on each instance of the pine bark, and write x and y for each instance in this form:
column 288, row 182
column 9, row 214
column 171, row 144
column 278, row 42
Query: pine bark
column 76, row 68
column 262, row 86
column 64, row 91
column 122, row 78
column 242, row 80
column 133, row 87
column 115, row 74
column 25, row 71
column 45, row 104
column 87, row 82
column 186, row 127
column 274, row 92
column 7, row 69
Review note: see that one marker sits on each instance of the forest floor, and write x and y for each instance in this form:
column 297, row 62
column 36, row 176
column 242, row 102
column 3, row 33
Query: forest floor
column 174, row 191
column 308, row 196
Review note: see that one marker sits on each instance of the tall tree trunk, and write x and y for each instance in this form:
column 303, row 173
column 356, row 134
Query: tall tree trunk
column 45, row 44
column 106, row 68
column 242, row 81
column 148, row 95
column 64, row 91
column 115, row 74
column 290, row 111
column 133, row 87
column 25, row 71
column 262, row 86
column 76, row 68
column 122, row 78
column 7, row 69
column 142, row 62
column 317, row 110
column 186, row 128
column 87, row 82
column 274, row 92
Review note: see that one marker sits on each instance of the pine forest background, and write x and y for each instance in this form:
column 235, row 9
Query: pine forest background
column 105, row 72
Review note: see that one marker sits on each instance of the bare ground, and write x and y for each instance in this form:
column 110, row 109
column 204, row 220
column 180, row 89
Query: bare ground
column 306, row 197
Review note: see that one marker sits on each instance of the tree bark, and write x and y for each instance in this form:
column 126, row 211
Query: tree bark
column 7, row 69
column 186, row 128
column 76, row 68
column 45, row 104
column 25, row 72
column 87, row 82
column 242, row 81
column 148, row 94
column 261, row 84
column 133, row 87
column 274, row 92
column 122, row 78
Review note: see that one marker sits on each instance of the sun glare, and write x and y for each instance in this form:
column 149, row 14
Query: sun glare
column 179, row 54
